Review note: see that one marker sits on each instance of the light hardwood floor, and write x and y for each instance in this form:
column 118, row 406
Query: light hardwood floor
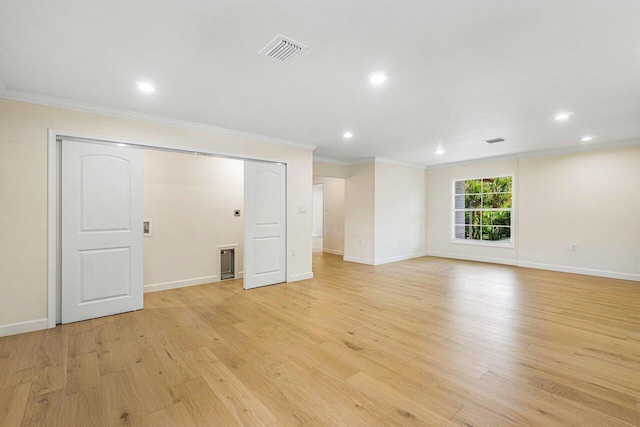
column 427, row 341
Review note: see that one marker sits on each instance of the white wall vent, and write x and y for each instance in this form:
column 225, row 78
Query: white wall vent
column 283, row 49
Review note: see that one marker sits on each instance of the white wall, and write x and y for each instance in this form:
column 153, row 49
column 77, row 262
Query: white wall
column 399, row 212
column 23, row 191
column 438, row 184
column 359, row 214
column 330, row 170
column 192, row 213
column 589, row 198
column 333, row 233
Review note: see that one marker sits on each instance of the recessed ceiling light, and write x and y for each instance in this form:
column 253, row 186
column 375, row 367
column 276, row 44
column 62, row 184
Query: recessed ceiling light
column 439, row 151
column 377, row 78
column 146, row 87
column 121, row 145
column 562, row 116
column 586, row 138
column 347, row 135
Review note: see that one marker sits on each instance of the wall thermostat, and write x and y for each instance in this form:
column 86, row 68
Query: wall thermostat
column 236, row 212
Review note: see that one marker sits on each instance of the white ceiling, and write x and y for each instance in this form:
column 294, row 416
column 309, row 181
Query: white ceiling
column 459, row 71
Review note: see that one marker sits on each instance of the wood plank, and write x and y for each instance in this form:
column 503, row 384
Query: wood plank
column 175, row 415
column 203, row 404
column 238, row 399
column 13, row 411
column 419, row 342
column 83, row 372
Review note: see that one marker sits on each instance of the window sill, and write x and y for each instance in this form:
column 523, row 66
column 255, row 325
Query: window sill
column 507, row 245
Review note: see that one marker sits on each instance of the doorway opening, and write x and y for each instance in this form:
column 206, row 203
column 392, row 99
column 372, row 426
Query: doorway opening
column 318, row 215
column 328, row 214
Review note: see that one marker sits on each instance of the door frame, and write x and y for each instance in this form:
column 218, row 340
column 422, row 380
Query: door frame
column 54, row 187
column 320, row 184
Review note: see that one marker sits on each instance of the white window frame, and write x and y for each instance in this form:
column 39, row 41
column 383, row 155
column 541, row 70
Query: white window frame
column 501, row 244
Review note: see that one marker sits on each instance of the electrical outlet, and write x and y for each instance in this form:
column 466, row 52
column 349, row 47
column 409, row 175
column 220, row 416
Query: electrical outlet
column 574, row 247
column 359, row 242
column 293, row 252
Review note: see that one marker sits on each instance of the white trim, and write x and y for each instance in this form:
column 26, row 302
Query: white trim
column 512, row 209
column 579, row 270
column 51, row 101
column 400, row 258
column 23, row 327
column 395, row 162
column 301, row 276
column 363, row 161
column 579, row 148
column 96, row 138
column 486, row 243
column 538, row 266
column 332, row 251
column 53, row 199
column 52, row 230
column 358, row 260
column 84, row 107
column 230, row 246
column 369, row 160
column 540, row 153
column 236, row 260
column 180, row 284
column 330, row 161
column 474, row 258
column 474, row 161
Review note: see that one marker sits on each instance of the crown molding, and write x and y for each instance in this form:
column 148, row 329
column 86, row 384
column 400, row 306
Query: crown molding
column 405, row 164
column 331, row 161
column 473, row 162
column 540, row 153
column 363, row 161
column 578, row 149
column 84, row 107
column 368, row 160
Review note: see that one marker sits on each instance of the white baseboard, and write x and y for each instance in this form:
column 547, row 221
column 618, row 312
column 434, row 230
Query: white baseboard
column 538, row 266
column 333, row 251
column 23, row 327
column 474, row 258
column 399, row 258
column 180, row 284
column 301, row 276
column 578, row 270
column 359, row 260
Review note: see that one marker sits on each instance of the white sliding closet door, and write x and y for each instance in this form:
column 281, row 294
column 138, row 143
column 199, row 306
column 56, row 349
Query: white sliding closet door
column 265, row 227
column 102, row 215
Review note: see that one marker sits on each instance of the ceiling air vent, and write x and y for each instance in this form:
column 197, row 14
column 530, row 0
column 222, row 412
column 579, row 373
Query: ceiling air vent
column 494, row 140
column 283, row 49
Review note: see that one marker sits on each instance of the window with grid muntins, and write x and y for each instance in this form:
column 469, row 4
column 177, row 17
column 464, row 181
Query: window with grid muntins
column 482, row 209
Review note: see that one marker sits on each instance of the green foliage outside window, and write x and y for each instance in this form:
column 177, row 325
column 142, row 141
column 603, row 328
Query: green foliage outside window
column 483, row 208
